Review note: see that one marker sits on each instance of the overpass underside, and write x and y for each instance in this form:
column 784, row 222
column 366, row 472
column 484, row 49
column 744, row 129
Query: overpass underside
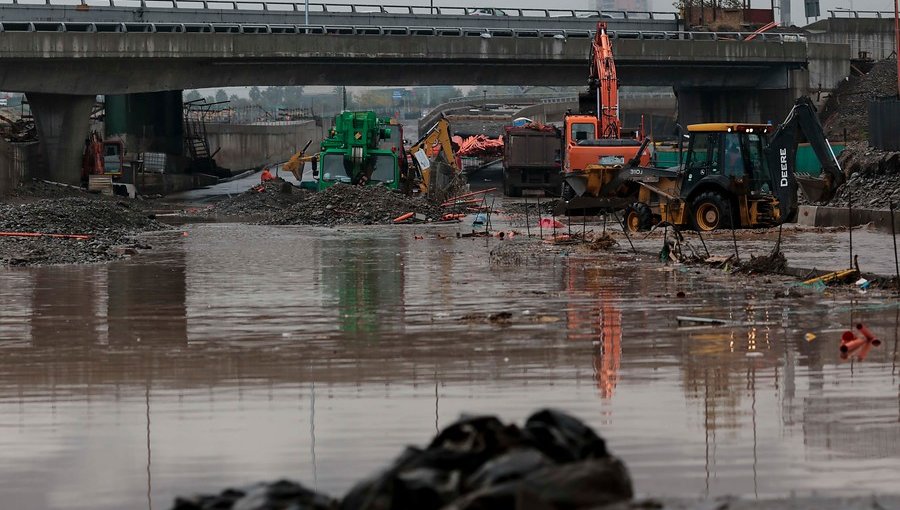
column 714, row 80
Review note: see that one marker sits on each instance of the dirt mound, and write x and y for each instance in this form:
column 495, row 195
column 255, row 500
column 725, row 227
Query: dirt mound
column 110, row 225
column 874, row 178
column 41, row 189
column 848, row 107
column 343, row 204
column 274, row 195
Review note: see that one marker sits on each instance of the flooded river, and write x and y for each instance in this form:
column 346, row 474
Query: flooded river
column 238, row 353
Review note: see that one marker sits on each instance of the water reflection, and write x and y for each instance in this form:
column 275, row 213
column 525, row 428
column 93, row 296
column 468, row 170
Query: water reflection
column 240, row 353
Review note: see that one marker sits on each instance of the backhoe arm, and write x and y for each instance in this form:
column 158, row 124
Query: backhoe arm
column 782, row 155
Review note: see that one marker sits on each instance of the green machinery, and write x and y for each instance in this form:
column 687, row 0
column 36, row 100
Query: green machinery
column 359, row 150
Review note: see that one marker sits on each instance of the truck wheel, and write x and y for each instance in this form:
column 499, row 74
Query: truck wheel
column 710, row 212
column 638, row 217
column 568, row 193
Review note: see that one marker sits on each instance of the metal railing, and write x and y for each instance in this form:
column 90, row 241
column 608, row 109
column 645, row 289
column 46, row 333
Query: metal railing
column 347, row 8
column 842, row 13
column 249, row 28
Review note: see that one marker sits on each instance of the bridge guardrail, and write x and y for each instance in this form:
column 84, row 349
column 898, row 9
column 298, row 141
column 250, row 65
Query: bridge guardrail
column 248, row 28
column 843, row 13
column 343, row 8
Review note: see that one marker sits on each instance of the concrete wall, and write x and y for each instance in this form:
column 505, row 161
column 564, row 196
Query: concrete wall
column 828, row 64
column 244, row 147
column 15, row 164
column 872, row 35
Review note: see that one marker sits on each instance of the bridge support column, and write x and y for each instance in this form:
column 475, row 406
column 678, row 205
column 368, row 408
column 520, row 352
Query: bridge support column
column 147, row 122
column 697, row 105
column 62, row 122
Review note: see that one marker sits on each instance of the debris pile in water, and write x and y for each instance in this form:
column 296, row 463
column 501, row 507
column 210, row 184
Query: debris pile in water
column 554, row 461
column 343, row 204
column 109, row 227
column 265, row 198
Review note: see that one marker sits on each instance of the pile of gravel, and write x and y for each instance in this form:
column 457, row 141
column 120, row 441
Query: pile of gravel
column 344, row 204
column 547, row 206
column 874, row 178
column 848, row 107
column 110, row 224
column 272, row 196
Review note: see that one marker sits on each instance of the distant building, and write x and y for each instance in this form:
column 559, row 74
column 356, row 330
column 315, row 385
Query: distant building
column 621, row 5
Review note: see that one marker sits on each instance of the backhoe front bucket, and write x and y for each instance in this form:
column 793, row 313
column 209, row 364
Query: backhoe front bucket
column 816, row 189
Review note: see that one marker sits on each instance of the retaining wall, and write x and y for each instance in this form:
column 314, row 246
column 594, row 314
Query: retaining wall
column 252, row 146
column 819, row 216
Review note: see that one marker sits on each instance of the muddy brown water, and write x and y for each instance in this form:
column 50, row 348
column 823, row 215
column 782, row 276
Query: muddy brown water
column 240, row 353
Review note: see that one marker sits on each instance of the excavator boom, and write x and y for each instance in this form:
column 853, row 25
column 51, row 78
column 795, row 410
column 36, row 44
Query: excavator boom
column 603, row 84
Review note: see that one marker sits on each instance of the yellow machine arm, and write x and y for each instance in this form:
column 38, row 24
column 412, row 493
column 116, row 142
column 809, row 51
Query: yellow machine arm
column 298, row 161
column 439, row 134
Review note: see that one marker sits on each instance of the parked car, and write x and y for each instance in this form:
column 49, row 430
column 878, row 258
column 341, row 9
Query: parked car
column 485, row 11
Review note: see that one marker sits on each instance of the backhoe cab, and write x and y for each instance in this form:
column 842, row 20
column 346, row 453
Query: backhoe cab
column 726, row 181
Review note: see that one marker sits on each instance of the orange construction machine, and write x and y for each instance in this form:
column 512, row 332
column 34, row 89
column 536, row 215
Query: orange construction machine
column 593, row 138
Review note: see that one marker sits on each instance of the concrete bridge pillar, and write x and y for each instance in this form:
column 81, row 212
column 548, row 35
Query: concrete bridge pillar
column 62, row 121
column 698, row 105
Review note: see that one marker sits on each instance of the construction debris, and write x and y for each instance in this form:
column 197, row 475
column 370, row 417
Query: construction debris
column 874, row 178
column 479, row 146
column 71, row 230
column 264, row 198
column 847, row 109
column 343, row 204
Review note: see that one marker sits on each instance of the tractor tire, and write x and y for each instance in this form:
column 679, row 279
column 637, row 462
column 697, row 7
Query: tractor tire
column 568, row 193
column 638, row 217
column 711, row 211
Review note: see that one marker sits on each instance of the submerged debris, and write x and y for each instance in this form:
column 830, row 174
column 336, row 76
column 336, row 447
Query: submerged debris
column 515, row 253
column 774, row 262
column 553, row 461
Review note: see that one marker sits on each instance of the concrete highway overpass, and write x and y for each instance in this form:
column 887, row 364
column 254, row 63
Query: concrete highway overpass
column 62, row 66
column 269, row 12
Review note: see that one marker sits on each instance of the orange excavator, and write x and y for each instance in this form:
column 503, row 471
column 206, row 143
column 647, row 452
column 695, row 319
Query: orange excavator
column 593, row 138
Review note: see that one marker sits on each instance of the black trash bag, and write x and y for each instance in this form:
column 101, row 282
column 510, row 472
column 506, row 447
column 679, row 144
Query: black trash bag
column 562, row 437
column 280, row 495
column 510, row 466
column 583, row 485
column 429, row 479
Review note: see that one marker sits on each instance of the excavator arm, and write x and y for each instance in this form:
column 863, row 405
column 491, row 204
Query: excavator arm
column 603, row 86
column 439, row 134
column 781, row 154
column 297, row 161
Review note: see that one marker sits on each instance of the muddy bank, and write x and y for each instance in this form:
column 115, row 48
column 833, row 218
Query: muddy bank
column 95, row 230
